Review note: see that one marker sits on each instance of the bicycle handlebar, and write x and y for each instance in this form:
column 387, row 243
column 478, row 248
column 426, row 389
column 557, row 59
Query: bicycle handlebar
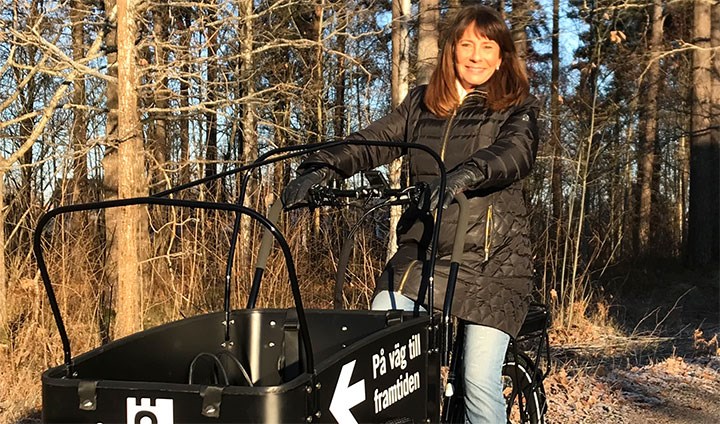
column 328, row 196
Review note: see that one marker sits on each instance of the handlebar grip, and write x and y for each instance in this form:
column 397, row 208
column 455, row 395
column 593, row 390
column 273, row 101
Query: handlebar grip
column 343, row 193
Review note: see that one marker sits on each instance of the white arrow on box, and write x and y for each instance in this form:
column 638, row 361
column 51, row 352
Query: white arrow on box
column 346, row 396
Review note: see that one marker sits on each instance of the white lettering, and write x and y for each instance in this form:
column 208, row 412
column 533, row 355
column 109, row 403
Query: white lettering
column 403, row 386
column 379, row 364
column 397, row 357
column 414, row 346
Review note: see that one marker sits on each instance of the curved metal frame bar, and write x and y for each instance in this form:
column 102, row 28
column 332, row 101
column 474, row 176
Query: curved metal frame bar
column 309, row 365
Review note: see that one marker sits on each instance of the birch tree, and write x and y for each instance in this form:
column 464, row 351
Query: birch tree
column 400, row 86
column 248, row 131
column 427, row 53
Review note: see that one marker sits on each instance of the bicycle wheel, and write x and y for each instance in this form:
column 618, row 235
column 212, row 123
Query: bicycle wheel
column 517, row 375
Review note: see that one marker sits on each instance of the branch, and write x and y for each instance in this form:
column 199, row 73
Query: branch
column 10, row 100
column 684, row 47
column 76, row 65
column 48, row 110
column 29, row 115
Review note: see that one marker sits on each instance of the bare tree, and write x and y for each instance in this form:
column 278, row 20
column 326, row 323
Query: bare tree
column 648, row 136
column 520, row 17
column 79, row 128
column 715, row 43
column 555, row 134
column 703, row 237
column 400, row 86
column 339, row 121
column 428, row 18
column 31, row 123
column 247, row 124
column 131, row 228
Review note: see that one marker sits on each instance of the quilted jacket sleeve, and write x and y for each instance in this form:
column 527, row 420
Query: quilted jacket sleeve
column 512, row 155
column 349, row 159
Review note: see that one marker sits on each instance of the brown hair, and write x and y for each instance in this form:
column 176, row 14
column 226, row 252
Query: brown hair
column 506, row 87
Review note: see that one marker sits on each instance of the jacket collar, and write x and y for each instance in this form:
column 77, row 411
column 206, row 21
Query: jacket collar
column 480, row 90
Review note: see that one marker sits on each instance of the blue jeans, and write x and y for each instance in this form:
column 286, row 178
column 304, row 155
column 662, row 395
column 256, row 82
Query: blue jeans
column 483, row 355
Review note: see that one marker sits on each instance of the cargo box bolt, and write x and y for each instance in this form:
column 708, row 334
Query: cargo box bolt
column 318, row 385
column 87, row 404
column 318, row 414
column 309, row 419
column 308, row 389
column 209, row 410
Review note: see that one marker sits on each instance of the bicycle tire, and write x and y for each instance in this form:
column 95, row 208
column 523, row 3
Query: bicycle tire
column 533, row 395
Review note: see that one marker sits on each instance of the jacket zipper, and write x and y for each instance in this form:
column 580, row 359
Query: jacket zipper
column 488, row 228
column 446, row 135
column 406, row 274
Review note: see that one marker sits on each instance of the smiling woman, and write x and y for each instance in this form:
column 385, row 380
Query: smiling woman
column 476, row 58
column 478, row 116
column 465, row 55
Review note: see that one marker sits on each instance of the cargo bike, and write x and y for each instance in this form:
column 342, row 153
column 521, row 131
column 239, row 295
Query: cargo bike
column 291, row 365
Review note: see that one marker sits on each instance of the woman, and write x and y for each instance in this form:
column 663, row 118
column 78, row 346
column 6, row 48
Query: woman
column 478, row 115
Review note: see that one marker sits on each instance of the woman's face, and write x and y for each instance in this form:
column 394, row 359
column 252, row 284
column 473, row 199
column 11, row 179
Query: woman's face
column 476, row 58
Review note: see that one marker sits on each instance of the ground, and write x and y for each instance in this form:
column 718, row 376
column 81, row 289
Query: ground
column 661, row 366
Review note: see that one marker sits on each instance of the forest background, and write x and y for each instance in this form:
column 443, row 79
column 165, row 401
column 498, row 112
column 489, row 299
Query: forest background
column 114, row 99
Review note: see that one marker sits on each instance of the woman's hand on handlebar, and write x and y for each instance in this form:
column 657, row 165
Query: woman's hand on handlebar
column 297, row 191
column 311, row 189
column 457, row 181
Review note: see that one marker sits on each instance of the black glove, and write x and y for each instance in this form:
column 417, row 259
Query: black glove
column 457, row 181
column 298, row 189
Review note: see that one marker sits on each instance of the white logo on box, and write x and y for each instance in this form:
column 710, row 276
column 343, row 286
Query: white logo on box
column 149, row 411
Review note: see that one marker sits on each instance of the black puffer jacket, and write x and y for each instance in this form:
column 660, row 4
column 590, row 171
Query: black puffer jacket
column 495, row 276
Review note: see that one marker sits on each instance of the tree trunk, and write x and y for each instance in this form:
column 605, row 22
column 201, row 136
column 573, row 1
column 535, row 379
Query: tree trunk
column 648, row 138
column 110, row 175
column 682, row 190
column 339, row 121
column 159, row 144
column 211, row 134
column 715, row 125
column 79, row 125
column 131, row 228
column 703, row 237
column 555, row 135
column 184, row 131
column 427, row 40
column 400, row 83
column 520, row 18
column 249, row 134
column 3, row 269
column 715, row 132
